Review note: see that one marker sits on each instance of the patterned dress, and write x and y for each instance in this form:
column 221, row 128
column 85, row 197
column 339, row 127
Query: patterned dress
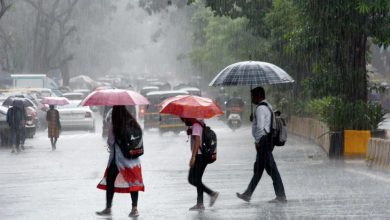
column 129, row 178
column 53, row 127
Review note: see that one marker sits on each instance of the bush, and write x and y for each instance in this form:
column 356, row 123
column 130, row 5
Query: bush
column 340, row 114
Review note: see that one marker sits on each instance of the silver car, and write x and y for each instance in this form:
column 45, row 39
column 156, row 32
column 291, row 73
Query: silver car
column 73, row 116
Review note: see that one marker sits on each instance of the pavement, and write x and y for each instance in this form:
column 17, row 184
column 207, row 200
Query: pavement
column 43, row 184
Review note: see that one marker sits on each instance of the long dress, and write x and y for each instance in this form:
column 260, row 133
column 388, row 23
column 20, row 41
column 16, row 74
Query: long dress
column 53, row 127
column 129, row 178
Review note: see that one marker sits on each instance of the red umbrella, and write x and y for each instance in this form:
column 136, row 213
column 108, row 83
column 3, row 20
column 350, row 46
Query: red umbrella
column 189, row 106
column 111, row 97
column 55, row 101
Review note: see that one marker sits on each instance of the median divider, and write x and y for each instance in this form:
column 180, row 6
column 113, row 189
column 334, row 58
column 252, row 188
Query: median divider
column 378, row 153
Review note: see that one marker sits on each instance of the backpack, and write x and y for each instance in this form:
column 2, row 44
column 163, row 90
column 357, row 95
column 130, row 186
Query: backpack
column 132, row 144
column 208, row 146
column 278, row 128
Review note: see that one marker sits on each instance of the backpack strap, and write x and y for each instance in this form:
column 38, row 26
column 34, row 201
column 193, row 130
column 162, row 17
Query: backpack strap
column 272, row 115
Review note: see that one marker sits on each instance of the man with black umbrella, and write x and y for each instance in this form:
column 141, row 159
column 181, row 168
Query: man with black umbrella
column 16, row 119
column 261, row 131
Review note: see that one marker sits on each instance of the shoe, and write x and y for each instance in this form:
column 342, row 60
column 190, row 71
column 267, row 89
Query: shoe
column 213, row 198
column 244, row 197
column 279, row 199
column 134, row 212
column 106, row 211
column 197, row 207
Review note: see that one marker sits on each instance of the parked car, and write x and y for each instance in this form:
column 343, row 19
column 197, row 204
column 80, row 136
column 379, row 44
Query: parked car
column 5, row 132
column 164, row 122
column 73, row 116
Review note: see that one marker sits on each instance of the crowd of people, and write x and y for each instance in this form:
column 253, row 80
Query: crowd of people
column 124, row 175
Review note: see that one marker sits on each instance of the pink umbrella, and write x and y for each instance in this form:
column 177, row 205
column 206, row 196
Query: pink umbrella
column 111, row 97
column 55, row 101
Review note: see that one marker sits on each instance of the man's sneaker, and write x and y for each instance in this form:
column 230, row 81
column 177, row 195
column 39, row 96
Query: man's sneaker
column 197, row 207
column 213, row 198
column 244, row 197
column 106, row 211
column 279, row 199
column 134, row 212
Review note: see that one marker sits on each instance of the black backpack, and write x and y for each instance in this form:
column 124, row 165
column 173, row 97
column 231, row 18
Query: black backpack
column 209, row 144
column 132, row 144
column 278, row 128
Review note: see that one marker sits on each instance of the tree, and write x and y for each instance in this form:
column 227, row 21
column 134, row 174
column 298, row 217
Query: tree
column 221, row 40
column 52, row 29
column 4, row 7
column 336, row 35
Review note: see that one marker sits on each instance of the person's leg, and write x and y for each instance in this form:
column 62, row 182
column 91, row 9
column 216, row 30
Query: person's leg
column 13, row 138
column 111, row 176
column 55, row 142
column 258, row 169
column 22, row 137
column 17, row 144
column 200, row 185
column 273, row 172
column 134, row 199
column 134, row 210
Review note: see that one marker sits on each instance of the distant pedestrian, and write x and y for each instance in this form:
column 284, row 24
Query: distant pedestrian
column 16, row 119
column 261, row 131
column 198, row 164
column 53, row 126
column 122, row 175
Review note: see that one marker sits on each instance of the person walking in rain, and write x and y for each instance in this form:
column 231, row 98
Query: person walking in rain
column 16, row 119
column 53, row 126
column 122, row 175
column 198, row 164
column 261, row 131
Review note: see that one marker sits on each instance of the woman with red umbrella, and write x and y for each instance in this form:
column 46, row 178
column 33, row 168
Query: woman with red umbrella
column 191, row 110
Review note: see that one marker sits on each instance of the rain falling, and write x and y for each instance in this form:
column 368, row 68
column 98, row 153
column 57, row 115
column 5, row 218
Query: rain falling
column 194, row 109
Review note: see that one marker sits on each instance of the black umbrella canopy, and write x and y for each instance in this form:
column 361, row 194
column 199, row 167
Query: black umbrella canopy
column 12, row 101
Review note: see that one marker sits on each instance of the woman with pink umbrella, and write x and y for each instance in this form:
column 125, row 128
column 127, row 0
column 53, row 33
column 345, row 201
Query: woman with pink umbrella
column 123, row 173
column 53, row 118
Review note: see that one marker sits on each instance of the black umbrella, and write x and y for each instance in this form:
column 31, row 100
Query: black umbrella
column 10, row 101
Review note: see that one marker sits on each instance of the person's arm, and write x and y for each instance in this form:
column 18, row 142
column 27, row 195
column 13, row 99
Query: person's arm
column 58, row 120
column 195, row 151
column 196, row 132
column 110, row 135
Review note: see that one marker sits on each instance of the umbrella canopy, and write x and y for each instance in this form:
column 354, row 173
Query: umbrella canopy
column 10, row 101
column 111, row 97
column 253, row 73
column 189, row 106
column 55, row 101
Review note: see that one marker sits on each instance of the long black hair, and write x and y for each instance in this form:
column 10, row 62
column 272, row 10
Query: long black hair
column 121, row 118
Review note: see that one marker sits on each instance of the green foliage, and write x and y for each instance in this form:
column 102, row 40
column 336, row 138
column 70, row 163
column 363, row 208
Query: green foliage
column 340, row 114
column 221, row 40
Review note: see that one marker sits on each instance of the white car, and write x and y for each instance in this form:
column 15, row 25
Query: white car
column 73, row 116
column 73, row 95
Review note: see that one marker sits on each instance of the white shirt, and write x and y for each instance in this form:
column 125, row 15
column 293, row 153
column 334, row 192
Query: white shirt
column 261, row 122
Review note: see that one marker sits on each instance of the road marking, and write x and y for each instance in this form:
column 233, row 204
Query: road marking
column 370, row 175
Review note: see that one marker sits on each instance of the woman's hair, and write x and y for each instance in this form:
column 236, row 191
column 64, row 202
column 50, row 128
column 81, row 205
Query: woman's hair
column 120, row 119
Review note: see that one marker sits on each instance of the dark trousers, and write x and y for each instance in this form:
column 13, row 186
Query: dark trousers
column 16, row 135
column 111, row 176
column 195, row 178
column 265, row 160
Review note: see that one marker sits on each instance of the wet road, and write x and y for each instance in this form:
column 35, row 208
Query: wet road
column 41, row 184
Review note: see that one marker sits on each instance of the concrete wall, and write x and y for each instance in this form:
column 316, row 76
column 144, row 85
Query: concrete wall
column 311, row 129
